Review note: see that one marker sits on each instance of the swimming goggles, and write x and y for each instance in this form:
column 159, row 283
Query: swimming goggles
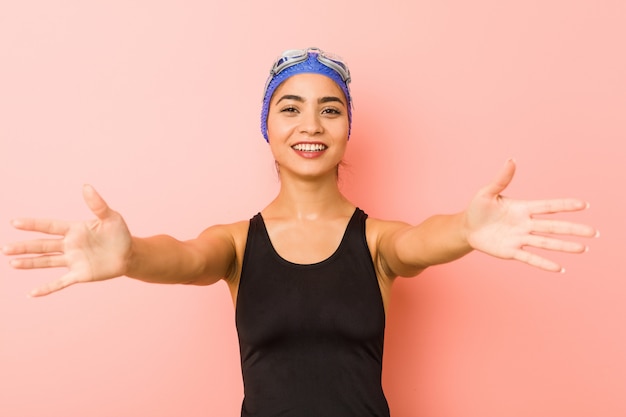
column 293, row 57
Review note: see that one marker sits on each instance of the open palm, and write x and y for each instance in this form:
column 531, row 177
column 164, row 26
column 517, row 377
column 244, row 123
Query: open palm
column 92, row 250
column 504, row 228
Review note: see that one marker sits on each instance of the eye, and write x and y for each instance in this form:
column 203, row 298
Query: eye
column 331, row 111
column 289, row 109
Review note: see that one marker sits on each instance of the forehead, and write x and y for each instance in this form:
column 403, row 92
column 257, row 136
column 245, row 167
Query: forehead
column 309, row 85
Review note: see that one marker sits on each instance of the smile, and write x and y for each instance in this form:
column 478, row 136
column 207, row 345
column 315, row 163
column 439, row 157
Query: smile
column 309, row 147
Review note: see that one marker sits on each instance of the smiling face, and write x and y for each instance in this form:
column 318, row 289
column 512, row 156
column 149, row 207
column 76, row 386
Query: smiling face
column 307, row 125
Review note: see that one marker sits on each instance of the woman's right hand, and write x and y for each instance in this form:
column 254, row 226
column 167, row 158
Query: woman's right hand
column 93, row 250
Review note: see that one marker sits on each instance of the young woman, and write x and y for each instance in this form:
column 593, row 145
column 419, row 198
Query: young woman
column 310, row 275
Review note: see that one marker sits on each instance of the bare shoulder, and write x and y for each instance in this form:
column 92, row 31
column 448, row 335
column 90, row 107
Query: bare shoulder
column 223, row 246
column 377, row 228
column 378, row 232
column 238, row 234
column 231, row 231
column 233, row 234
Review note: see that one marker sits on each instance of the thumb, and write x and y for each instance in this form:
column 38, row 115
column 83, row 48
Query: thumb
column 502, row 180
column 51, row 287
column 96, row 204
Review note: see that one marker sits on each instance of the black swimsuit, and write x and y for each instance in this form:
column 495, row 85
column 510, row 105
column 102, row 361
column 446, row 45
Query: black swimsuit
column 311, row 336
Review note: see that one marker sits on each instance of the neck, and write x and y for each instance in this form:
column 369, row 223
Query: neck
column 305, row 199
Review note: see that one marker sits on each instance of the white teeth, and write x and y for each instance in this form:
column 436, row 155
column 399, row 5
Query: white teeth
column 309, row 147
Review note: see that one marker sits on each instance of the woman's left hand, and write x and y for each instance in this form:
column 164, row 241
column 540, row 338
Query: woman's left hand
column 504, row 228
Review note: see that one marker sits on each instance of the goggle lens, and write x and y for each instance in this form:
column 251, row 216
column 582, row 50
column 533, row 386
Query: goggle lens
column 295, row 56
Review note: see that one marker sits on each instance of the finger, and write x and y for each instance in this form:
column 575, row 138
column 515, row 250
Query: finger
column 548, row 243
column 45, row 261
column 53, row 286
column 33, row 247
column 95, row 202
column 537, row 261
column 502, row 180
column 562, row 228
column 51, row 227
column 556, row 205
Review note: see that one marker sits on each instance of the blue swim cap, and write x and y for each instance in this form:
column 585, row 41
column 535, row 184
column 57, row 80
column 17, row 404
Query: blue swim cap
column 312, row 64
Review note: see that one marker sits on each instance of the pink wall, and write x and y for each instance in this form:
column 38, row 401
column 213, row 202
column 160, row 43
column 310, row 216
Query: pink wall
column 156, row 103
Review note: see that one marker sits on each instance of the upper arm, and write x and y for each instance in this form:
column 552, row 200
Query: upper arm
column 218, row 247
column 406, row 250
column 388, row 257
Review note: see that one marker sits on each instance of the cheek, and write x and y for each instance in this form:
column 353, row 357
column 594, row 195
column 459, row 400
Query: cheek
column 277, row 125
column 277, row 132
column 272, row 133
column 340, row 128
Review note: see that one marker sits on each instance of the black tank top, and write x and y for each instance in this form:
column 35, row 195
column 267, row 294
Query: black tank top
column 311, row 336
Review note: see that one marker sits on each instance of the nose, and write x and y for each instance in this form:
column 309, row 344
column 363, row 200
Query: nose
column 311, row 123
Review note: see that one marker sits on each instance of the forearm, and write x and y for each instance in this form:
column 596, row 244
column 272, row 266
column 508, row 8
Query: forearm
column 437, row 240
column 164, row 259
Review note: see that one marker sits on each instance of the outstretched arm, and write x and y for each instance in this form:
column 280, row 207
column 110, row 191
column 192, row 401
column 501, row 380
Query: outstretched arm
column 103, row 248
column 493, row 224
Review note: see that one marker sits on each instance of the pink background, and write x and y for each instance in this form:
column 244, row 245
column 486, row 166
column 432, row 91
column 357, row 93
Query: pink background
column 156, row 104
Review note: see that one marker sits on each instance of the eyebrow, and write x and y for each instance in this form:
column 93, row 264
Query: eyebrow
column 290, row 97
column 330, row 99
column 322, row 100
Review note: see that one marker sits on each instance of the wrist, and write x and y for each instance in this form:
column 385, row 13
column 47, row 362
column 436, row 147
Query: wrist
column 131, row 261
column 464, row 231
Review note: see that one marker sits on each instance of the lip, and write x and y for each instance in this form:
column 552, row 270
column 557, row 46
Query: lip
column 312, row 153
